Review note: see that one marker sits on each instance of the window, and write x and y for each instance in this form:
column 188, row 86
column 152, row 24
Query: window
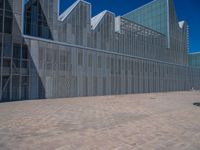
column 27, row 21
column 0, row 49
column 1, row 23
column 25, row 52
column 35, row 22
column 8, row 25
column 24, row 64
column 8, row 4
column 15, row 87
column 7, row 46
column 6, row 62
column 8, row 14
column 24, row 87
column 16, row 51
column 1, row 4
column 16, row 63
column 80, row 58
column 0, row 45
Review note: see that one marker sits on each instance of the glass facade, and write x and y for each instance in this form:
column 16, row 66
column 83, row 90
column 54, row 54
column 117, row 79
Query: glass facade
column 14, row 63
column 152, row 15
column 35, row 22
column 160, row 15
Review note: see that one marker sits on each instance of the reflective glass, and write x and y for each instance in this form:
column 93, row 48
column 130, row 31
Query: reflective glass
column 1, row 4
column 8, row 4
column 8, row 25
column 16, row 51
column 7, row 46
column 25, row 52
column 0, row 46
column 151, row 15
column 1, row 23
column 35, row 22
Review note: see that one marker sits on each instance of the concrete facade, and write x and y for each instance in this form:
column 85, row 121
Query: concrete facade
column 45, row 54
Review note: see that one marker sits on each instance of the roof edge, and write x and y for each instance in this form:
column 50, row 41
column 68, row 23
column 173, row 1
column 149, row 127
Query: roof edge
column 97, row 19
column 66, row 13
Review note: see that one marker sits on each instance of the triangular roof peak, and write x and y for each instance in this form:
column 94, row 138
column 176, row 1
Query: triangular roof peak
column 181, row 24
column 70, row 9
column 96, row 19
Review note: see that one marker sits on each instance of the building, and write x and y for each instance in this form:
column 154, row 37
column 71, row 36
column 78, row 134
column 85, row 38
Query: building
column 194, row 59
column 45, row 54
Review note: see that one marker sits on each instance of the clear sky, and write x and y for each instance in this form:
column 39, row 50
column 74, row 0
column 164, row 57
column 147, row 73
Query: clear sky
column 188, row 10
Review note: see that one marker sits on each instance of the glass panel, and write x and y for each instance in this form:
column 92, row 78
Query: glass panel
column 151, row 15
column 35, row 22
column 7, row 46
column 8, row 14
column 1, row 4
column 5, row 88
column 6, row 62
column 8, row 25
column 1, row 12
column 24, row 87
column 16, row 63
column 15, row 87
column 24, row 64
column 16, row 51
column 25, row 52
column 8, row 4
column 1, row 23
column 0, row 52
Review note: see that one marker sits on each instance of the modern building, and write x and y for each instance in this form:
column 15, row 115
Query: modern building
column 194, row 59
column 45, row 54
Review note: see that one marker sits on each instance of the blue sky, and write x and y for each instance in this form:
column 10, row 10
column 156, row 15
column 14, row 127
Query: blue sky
column 188, row 10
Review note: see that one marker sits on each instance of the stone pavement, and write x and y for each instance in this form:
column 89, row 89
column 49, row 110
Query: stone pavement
column 161, row 121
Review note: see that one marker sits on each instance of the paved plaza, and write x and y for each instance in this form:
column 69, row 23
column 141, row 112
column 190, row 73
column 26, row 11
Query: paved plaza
column 160, row 121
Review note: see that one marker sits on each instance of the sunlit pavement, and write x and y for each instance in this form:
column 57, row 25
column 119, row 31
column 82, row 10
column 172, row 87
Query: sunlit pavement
column 162, row 121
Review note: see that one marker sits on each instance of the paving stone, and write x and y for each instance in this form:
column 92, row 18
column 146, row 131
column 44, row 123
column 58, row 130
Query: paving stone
column 128, row 122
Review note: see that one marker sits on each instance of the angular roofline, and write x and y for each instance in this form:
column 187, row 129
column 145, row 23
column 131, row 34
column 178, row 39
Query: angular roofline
column 97, row 19
column 64, row 15
column 140, row 7
column 181, row 23
column 193, row 53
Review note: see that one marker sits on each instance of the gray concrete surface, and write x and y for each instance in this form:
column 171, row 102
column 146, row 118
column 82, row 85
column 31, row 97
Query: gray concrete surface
column 162, row 121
